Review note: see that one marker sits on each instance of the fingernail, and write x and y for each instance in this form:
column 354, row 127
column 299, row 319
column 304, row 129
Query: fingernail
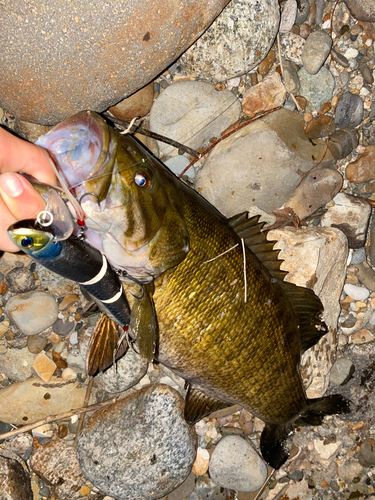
column 11, row 185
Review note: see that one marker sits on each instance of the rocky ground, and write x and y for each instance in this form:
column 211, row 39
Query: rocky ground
column 324, row 90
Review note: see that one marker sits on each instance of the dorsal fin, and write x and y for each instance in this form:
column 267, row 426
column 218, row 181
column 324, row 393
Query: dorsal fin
column 198, row 405
column 306, row 305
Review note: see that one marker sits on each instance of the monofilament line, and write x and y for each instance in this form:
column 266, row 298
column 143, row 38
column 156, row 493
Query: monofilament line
column 220, row 255
column 244, row 268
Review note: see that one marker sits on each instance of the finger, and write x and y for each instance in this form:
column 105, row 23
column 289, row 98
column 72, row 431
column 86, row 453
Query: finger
column 17, row 155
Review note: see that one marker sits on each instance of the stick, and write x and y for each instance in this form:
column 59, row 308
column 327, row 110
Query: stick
column 263, row 487
column 59, row 416
column 85, row 403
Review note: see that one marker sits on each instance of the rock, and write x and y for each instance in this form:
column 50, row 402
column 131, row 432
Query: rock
column 340, row 58
column 318, row 127
column 201, row 463
column 367, row 453
column 366, row 72
column 44, row 367
column 363, row 168
column 148, row 457
column 358, row 256
column 128, row 371
column 290, row 79
column 291, row 47
column 267, row 63
column 221, row 53
column 251, row 154
column 318, row 188
column 36, row 344
column 350, row 214
column 182, row 110
column 327, row 451
column 316, row 258
column 288, row 16
column 341, row 372
column 29, row 131
column 15, row 481
column 349, row 110
column 303, row 11
column 236, row 465
column 57, row 464
column 68, row 301
column 317, row 89
column 356, row 292
column 66, row 74
column 205, row 488
column 33, row 399
column 315, row 51
column 366, row 275
column 32, row 312
column 184, row 490
column 362, row 336
column 138, row 104
column 20, row 280
column 17, row 364
column 362, row 10
column 363, row 317
column 269, row 93
column 178, row 163
column 342, row 142
column 62, row 327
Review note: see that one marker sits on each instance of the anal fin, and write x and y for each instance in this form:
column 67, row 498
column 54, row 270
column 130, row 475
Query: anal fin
column 143, row 323
column 198, row 405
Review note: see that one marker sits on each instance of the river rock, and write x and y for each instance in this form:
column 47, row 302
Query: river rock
column 318, row 88
column 236, row 465
column 15, row 481
column 349, row 111
column 32, row 312
column 148, row 457
column 57, row 464
column 221, row 53
column 184, row 490
column 241, row 170
column 351, row 214
column 17, row 364
column 20, row 279
column 291, row 47
column 362, row 10
column 363, row 168
column 342, row 142
column 318, row 188
column 192, row 113
column 356, row 292
column 303, row 11
column 288, row 16
column 24, row 402
column 205, row 488
column 138, row 104
column 66, row 73
column 267, row 63
column 367, row 453
column 318, row 127
column 315, row 51
column 269, row 93
column 290, row 79
column 316, row 258
column 341, row 371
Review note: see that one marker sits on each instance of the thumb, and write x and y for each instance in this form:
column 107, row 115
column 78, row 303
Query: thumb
column 21, row 199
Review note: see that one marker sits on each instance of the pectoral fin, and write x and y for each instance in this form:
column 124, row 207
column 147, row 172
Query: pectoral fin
column 198, row 405
column 143, row 323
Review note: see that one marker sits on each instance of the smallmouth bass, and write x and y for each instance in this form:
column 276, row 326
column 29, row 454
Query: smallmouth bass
column 155, row 229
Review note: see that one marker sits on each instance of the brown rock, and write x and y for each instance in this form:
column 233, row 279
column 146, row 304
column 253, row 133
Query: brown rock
column 267, row 62
column 362, row 336
column 138, row 104
column 14, row 480
column 36, row 344
column 68, row 301
column 318, row 127
column 362, row 10
column 268, row 94
column 363, row 169
column 201, row 463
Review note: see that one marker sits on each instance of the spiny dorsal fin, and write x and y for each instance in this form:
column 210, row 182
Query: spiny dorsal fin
column 198, row 405
column 306, row 305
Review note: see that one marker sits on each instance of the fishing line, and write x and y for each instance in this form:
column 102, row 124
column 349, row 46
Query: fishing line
column 244, row 269
column 220, row 255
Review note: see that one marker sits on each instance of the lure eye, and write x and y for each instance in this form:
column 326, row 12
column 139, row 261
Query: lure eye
column 143, row 179
column 27, row 242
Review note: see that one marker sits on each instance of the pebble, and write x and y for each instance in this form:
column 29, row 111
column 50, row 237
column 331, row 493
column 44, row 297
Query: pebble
column 359, row 256
column 15, row 480
column 265, row 66
column 17, row 364
column 236, row 465
column 363, row 168
column 318, row 127
column 315, row 51
column 291, row 47
column 68, row 301
column 44, row 367
column 362, row 10
column 137, row 105
column 303, row 11
column 349, row 110
column 339, row 58
column 342, row 142
column 201, row 463
column 362, row 336
column 290, row 79
column 341, row 371
column 156, row 444
column 268, row 94
column 20, row 280
column 62, row 327
column 36, row 343
column 318, row 88
column 356, row 292
column 367, row 453
column 288, row 16
column 366, row 73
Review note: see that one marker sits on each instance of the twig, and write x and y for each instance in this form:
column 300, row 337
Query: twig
column 221, row 254
column 282, row 71
column 244, row 269
column 59, row 416
column 85, row 403
column 130, row 126
column 265, row 484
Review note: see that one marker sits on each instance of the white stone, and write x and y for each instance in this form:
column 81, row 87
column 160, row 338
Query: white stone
column 356, row 292
column 288, row 16
column 327, row 451
column 32, row 312
column 351, row 53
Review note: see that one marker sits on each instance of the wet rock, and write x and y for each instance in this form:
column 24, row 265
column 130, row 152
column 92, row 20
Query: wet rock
column 316, row 258
column 342, row 142
column 317, row 89
column 288, row 16
column 349, row 110
column 303, row 11
column 363, row 168
column 315, row 51
column 362, row 10
column 57, row 464
column 221, row 53
column 341, row 372
column 318, row 127
column 291, row 47
column 267, row 62
column 138, row 104
column 33, row 399
column 367, row 453
column 17, row 364
column 32, row 312
column 148, row 457
column 255, row 178
column 183, row 108
column 20, row 280
column 91, row 75
column 236, row 465
column 36, row 344
column 351, row 215
column 128, row 371
column 15, row 481
column 318, row 188
column 268, row 94
column 356, row 292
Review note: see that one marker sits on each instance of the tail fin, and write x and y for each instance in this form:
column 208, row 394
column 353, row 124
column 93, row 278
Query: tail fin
column 274, row 436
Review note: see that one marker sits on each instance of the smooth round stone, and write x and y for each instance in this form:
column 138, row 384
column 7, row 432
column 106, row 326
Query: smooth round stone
column 356, row 292
column 359, row 256
column 349, row 111
column 36, row 343
column 20, row 280
column 342, row 142
column 341, row 371
column 317, row 89
column 32, row 312
column 138, row 104
column 340, row 59
column 362, row 10
column 315, row 51
column 91, row 55
column 267, row 62
column 290, row 79
column 236, row 465
column 303, row 11
column 367, row 453
column 363, row 168
column 292, row 46
column 318, row 127
column 140, row 447
column 288, row 16
column 178, row 163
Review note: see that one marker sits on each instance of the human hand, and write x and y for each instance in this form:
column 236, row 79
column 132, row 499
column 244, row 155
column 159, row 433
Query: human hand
column 18, row 199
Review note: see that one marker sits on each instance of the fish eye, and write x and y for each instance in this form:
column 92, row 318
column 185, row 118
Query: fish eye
column 143, row 179
column 27, row 242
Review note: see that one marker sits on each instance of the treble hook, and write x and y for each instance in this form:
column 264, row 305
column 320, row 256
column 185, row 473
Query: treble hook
column 124, row 274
